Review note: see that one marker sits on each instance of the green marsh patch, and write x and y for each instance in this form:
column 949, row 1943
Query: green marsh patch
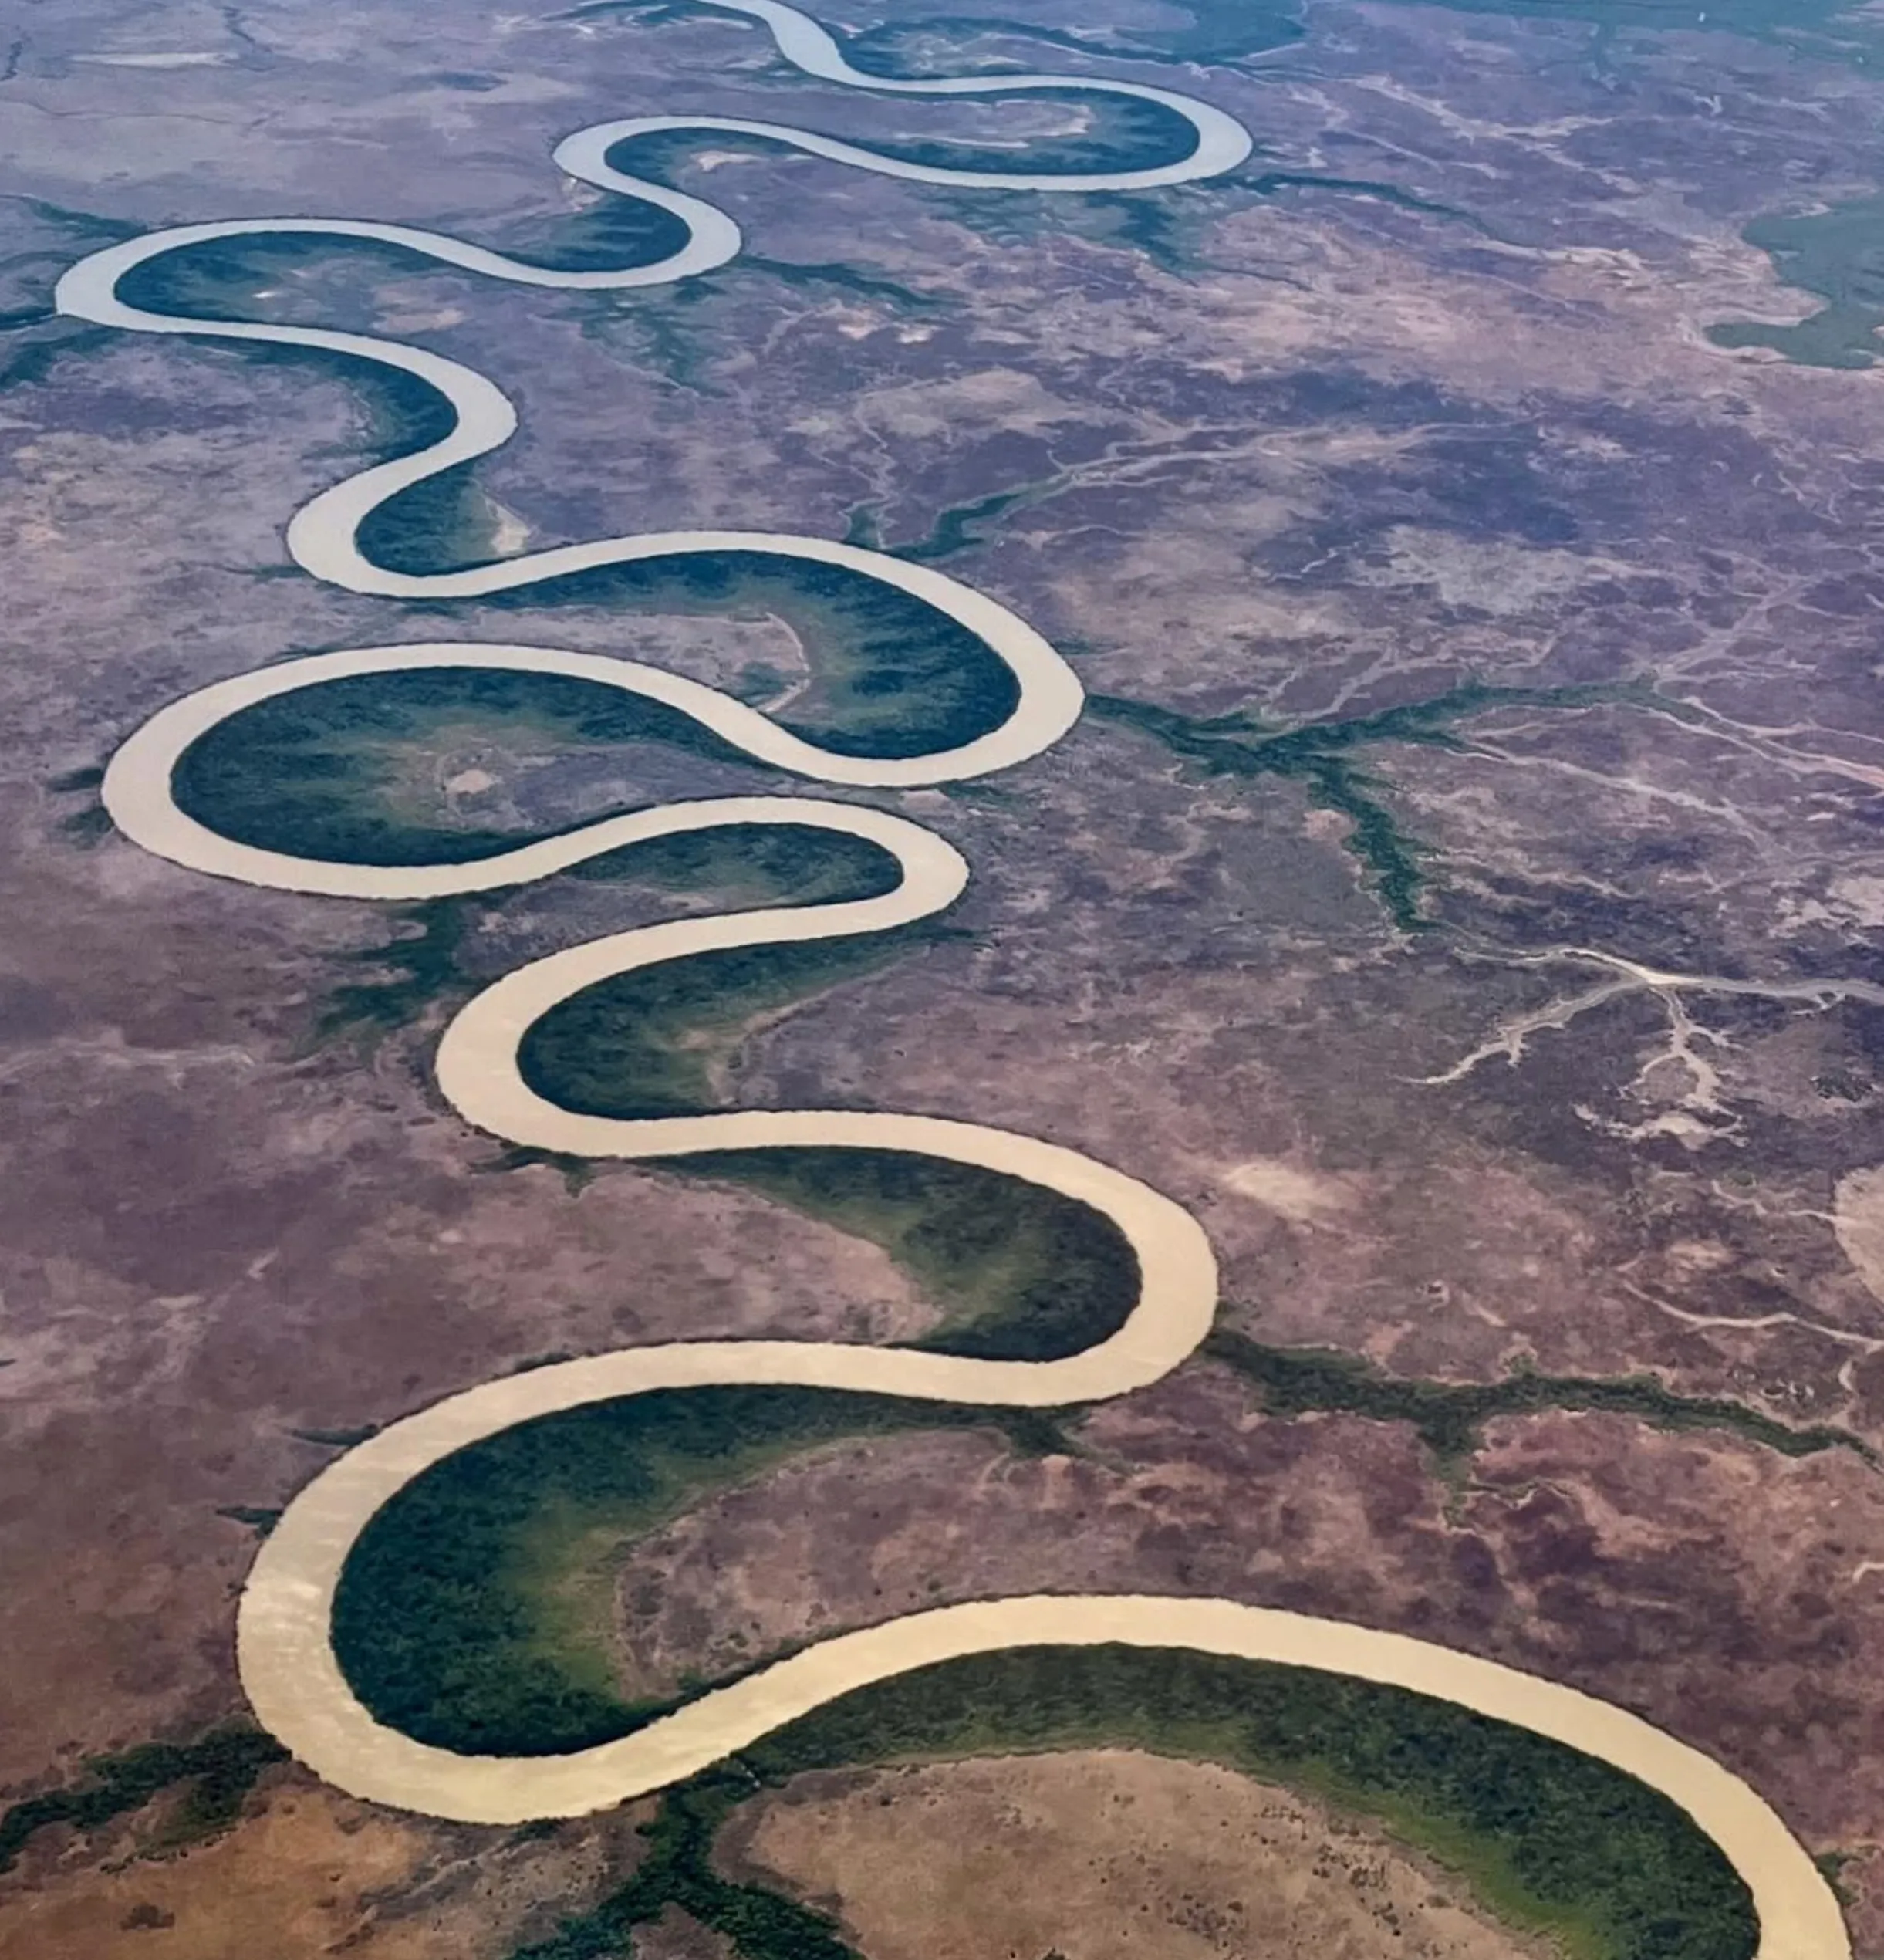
column 1108, row 134
column 1111, row 132
column 892, row 676
column 1837, row 253
column 351, row 772
column 661, row 1040
column 750, row 864
column 279, row 279
column 210, row 1778
column 1450, row 1418
column 348, row 771
column 420, row 966
column 1552, row 1840
column 475, row 1611
column 657, row 1041
column 1022, row 1273
column 677, row 1870
column 1115, row 133
column 958, row 528
column 291, row 277
column 1322, row 756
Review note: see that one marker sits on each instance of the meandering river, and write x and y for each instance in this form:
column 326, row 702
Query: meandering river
column 286, row 1650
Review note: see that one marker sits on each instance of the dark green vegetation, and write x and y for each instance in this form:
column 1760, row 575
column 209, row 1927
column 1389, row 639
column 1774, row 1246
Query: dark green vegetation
column 18, row 271
column 421, row 965
column 838, row 277
column 31, row 348
column 1450, row 1418
column 615, row 234
column 474, row 1611
column 1832, row 1864
column 1273, row 183
column 86, row 229
column 667, row 332
column 1838, row 254
column 652, row 1042
column 677, row 1870
column 1551, row 1839
column 336, row 1439
column 957, row 529
column 213, row 1774
column 88, row 823
column 345, row 771
column 1021, row 1273
column 260, row 1518
column 892, row 675
column 656, row 1041
column 440, row 524
column 662, row 1030
column 748, row 864
column 1321, row 755
column 33, row 335
column 1554, row 1841
column 283, row 278
column 1123, row 133
column 300, row 277
column 87, row 826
